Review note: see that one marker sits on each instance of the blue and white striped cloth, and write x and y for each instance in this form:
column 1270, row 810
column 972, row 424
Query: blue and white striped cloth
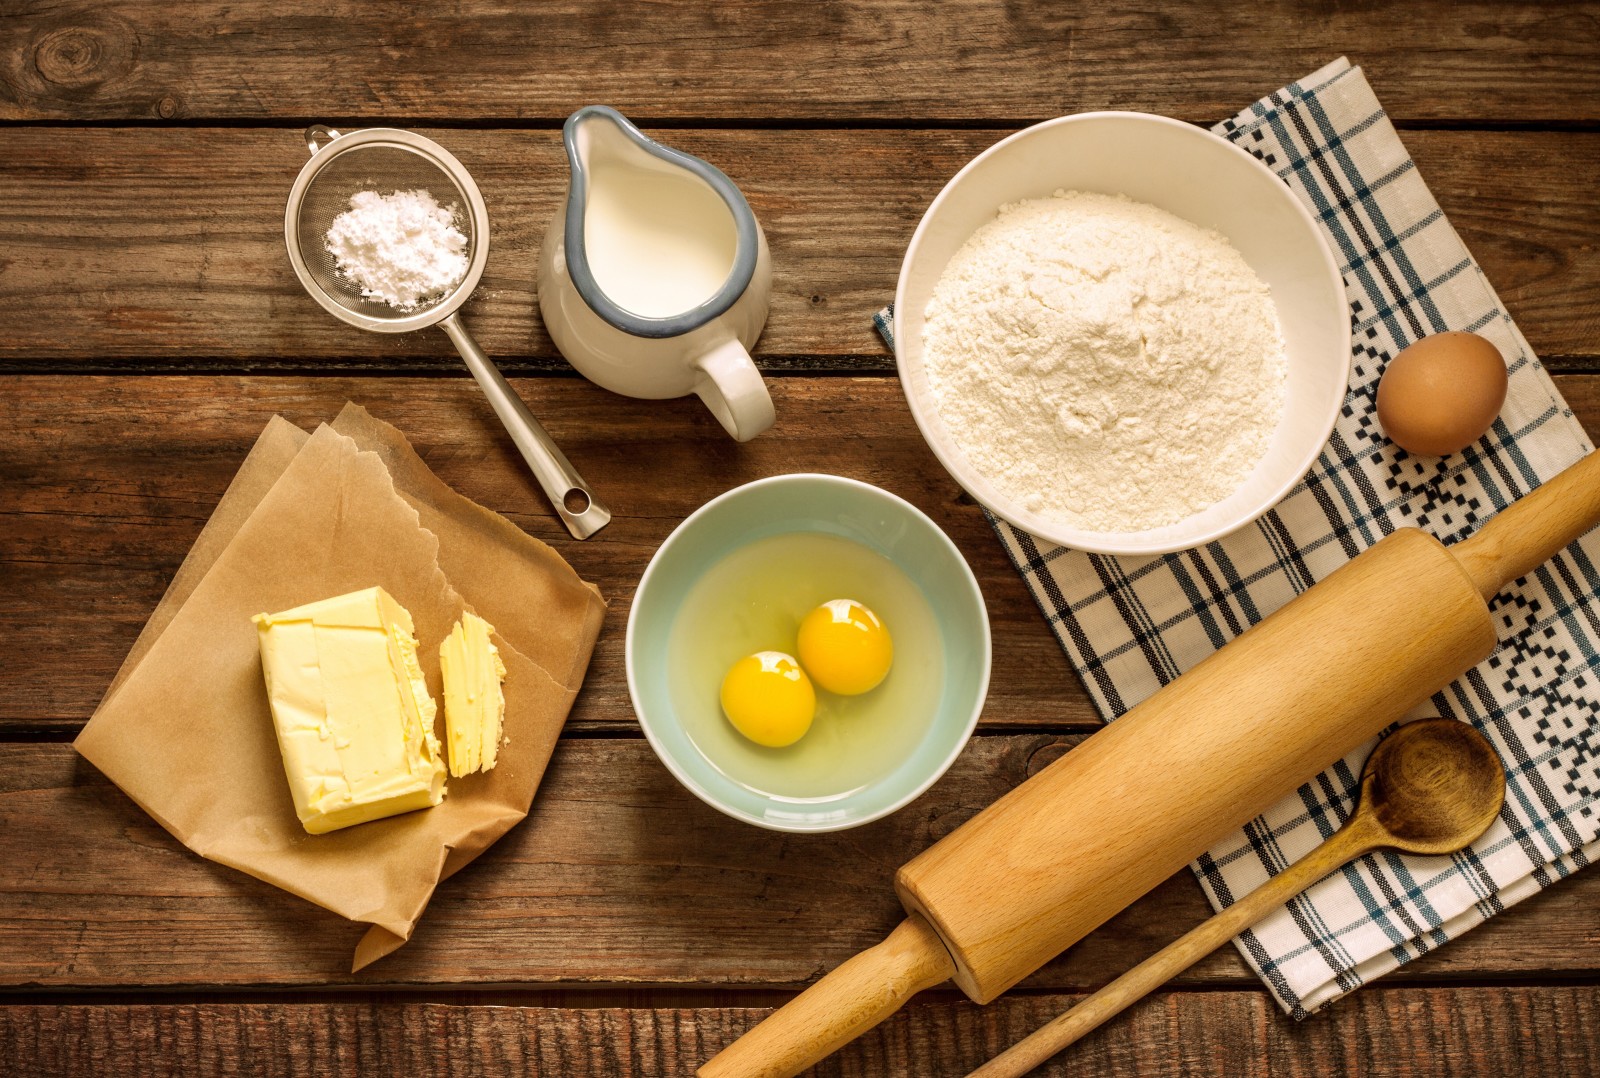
column 1130, row 625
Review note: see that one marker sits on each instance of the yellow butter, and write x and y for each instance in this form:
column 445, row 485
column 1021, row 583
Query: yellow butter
column 352, row 710
column 474, row 704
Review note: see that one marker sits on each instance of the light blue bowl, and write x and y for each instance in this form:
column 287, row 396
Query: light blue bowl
column 833, row 506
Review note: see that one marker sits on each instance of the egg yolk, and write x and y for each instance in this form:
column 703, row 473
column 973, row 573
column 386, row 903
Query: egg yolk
column 845, row 648
column 769, row 699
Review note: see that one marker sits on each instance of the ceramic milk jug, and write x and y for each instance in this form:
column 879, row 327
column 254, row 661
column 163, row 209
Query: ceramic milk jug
column 654, row 277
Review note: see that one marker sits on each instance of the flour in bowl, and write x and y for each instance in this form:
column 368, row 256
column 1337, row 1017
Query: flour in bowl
column 1104, row 363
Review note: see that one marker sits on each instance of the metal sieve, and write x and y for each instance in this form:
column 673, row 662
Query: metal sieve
column 387, row 160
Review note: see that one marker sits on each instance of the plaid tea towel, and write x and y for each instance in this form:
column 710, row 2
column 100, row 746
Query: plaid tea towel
column 1130, row 625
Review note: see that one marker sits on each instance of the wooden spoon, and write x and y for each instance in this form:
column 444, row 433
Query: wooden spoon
column 1431, row 787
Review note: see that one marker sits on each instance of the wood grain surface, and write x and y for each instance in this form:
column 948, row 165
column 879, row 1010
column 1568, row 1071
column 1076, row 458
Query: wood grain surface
column 210, row 288
column 618, row 878
column 626, row 929
column 760, row 60
column 105, row 498
column 1378, row 1033
column 90, row 535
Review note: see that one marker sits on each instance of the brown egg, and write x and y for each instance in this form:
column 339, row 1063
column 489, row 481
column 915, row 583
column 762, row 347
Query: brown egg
column 1439, row 395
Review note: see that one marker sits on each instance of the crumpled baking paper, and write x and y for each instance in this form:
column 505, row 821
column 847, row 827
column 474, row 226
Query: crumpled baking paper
column 186, row 731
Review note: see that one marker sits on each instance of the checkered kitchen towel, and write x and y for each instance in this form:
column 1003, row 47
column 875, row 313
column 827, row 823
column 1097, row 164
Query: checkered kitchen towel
column 1130, row 625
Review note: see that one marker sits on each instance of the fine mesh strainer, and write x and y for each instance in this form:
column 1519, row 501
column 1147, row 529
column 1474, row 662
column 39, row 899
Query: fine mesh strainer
column 387, row 160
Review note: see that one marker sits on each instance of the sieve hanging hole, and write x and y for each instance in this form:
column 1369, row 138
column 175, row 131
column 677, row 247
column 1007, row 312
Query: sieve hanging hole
column 576, row 500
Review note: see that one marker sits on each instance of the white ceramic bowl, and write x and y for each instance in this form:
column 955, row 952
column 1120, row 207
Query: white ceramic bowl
column 1201, row 178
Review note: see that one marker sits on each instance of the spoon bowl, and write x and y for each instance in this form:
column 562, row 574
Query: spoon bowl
column 1433, row 787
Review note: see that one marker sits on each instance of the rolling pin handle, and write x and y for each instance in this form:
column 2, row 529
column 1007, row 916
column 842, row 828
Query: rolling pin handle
column 1533, row 529
column 856, row 996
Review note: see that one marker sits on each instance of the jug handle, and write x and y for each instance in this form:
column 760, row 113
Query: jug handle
column 727, row 380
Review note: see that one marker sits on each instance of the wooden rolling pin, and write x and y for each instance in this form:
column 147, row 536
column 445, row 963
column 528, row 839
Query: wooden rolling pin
column 1056, row 857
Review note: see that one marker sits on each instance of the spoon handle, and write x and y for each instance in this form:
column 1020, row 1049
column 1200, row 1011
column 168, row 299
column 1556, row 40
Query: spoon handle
column 1358, row 836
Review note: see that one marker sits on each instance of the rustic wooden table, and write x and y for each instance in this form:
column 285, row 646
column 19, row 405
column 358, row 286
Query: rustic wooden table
column 625, row 928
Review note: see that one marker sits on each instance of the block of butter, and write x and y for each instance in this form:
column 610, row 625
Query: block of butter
column 474, row 703
column 352, row 710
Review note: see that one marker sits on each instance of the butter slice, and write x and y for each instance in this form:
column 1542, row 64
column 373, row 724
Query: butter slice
column 474, row 705
column 352, row 710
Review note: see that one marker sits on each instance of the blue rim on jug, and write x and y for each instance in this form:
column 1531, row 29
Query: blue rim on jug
column 745, row 245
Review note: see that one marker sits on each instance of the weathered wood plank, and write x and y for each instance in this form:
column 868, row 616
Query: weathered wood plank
column 619, row 878
column 89, row 235
column 103, row 499
column 851, row 60
column 1404, row 1033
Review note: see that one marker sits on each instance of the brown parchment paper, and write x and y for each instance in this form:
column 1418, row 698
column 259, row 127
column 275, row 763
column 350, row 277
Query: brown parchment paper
column 185, row 728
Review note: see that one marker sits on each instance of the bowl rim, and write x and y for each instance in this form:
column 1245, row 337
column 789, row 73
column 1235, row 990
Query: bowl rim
column 960, row 743
column 1096, row 542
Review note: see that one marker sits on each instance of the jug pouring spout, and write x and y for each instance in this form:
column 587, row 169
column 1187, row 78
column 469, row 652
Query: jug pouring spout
column 658, row 242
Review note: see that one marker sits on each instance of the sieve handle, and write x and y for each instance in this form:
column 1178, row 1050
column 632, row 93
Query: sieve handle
column 577, row 508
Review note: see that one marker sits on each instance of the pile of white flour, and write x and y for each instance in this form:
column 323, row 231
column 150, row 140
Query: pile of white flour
column 1108, row 365
column 402, row 248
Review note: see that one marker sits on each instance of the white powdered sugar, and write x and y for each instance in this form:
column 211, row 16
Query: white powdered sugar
column 1106, row 364
column 402, row 248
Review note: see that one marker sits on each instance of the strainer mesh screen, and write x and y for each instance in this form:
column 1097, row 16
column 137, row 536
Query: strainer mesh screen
column 384, row 169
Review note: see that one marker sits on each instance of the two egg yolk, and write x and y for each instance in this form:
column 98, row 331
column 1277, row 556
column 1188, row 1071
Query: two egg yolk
column 845, row 649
